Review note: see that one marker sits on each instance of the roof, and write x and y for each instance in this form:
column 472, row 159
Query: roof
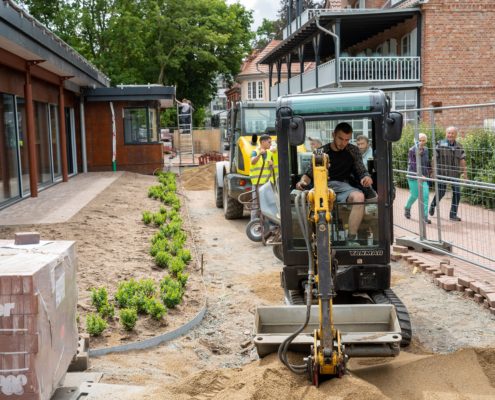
column 356, row 25
column 164, row 94
column 250, row 67
column 23, row 35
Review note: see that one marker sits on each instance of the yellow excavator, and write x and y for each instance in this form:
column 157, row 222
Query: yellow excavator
column 339, row 301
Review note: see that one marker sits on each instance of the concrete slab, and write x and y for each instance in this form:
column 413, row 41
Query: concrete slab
column 60, row 202
column 99, row 391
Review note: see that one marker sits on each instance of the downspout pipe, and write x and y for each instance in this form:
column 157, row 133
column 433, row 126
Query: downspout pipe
column 84, row 153
column 337, row 50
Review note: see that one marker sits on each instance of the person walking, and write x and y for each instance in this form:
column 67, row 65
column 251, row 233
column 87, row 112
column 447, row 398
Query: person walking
column 450, row 165
column 413, row 182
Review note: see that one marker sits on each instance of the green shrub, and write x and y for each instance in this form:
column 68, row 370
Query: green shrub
column 128, row 318
column 95, row 324
column 125, row 293
column 99, row 298
column 162, row 259
column 155, row 308
column 155, row 192
column 182, row 279
column 176, row 265
column 185, row 255
column 147, row 287
column 163, row 211
column 171, row 292
column 147, row 217
column 160, row 245
column 107, row 311
column 159, row 219
column 157, row 236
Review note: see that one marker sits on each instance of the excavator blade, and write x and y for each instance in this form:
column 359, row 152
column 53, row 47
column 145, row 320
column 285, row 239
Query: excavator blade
column 368, row 330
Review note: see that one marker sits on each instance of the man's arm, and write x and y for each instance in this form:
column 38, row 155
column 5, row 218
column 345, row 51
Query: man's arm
column 255, row 156
column 303, row 182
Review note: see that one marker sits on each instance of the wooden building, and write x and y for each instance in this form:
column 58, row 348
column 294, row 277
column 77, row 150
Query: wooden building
column 60, row 117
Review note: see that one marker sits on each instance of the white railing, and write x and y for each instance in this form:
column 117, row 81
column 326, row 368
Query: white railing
column 274, row 92
column 309, row 80
column 373, row 69
column 326, row 73
column 284, row 88
column 295, row 84
column 356, row 69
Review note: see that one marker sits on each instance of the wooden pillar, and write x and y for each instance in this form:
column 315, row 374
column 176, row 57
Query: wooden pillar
column 289, row 70
column 31, row 136
column 270, row 80
column 300, row 52
column 279, row 75
column 61, row 124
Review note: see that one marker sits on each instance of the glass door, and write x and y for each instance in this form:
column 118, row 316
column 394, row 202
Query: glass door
column 9, row 171
column 23, row 146
column 55, row 144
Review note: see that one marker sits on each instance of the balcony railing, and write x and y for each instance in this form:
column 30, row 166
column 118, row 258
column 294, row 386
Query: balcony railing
column 353, row 69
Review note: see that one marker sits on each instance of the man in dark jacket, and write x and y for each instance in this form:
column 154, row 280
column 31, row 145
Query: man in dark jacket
column 451, row 163
column 345, row 163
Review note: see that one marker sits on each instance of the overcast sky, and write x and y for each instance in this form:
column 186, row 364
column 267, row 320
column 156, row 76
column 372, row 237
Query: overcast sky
column 261, row 9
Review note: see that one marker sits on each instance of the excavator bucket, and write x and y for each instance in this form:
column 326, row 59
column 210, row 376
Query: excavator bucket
column 367, row 330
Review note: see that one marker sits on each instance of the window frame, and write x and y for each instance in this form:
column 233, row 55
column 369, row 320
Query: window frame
column 149, row 124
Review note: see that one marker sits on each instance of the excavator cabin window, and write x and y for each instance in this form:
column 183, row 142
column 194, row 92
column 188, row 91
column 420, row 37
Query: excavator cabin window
column 353, row 224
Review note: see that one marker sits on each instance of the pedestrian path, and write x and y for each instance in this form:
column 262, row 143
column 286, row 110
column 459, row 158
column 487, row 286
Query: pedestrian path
column 60, row 202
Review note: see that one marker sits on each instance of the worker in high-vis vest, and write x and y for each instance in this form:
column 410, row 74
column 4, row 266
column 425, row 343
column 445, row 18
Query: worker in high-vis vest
column 261, row 169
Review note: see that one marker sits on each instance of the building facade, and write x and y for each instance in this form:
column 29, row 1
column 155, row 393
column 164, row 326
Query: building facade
column 422, row 53
column 55, row 112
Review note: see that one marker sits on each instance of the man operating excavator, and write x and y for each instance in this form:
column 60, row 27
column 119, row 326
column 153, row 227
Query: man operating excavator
column 345, row 165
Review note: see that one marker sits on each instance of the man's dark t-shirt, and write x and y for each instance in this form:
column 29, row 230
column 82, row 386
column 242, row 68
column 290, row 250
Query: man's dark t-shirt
column 344, row 165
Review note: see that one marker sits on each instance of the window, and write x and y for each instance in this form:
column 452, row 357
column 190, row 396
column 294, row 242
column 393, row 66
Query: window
column 255, row 90
column 140, row 125
column 403, row 100
column 408, row 45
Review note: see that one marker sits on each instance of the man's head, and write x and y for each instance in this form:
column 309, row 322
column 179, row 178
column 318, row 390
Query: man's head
column 314, row 143
column 422, row 138
column 362, row 143
column 342, row 135
column 265, row 141
column 451, row 134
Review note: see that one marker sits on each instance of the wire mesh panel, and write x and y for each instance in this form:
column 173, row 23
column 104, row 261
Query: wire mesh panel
column 465, row 215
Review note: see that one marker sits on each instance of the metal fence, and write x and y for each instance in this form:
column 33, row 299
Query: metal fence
column 472, row 238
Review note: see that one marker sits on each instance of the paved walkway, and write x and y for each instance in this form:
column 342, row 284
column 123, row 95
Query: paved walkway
column 60, row 202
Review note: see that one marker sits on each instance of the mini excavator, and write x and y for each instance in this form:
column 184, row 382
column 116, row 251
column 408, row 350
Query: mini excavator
column 339, row 301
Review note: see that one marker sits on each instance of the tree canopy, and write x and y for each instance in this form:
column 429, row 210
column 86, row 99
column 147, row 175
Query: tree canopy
column 171, row 42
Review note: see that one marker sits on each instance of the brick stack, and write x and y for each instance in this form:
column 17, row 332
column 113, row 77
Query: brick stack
column 38, row 332
column 475, row 283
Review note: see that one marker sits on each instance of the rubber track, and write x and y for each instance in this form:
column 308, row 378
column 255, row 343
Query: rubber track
column 389, row 297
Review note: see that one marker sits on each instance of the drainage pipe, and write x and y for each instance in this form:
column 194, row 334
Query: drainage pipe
column 337, row 50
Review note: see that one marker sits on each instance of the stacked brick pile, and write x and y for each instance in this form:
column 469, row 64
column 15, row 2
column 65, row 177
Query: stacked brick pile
column 475, row 283
column 38, row 332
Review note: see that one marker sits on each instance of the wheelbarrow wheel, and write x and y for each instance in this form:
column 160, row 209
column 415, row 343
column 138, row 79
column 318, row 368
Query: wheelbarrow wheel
column 254, row 230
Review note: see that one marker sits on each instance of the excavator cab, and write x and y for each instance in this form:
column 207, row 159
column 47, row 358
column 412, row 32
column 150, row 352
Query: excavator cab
column 370, row 319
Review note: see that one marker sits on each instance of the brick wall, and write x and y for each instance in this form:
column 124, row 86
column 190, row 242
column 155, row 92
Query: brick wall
column 458, row 51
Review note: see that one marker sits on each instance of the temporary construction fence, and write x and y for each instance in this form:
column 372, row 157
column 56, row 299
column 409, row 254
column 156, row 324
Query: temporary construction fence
column 188, row 147
column 470, row 239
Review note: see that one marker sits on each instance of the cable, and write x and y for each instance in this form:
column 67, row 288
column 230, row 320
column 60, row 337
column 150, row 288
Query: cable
column 301, row 211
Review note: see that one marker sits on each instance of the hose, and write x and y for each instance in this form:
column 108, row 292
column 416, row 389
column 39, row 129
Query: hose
column 301, row 211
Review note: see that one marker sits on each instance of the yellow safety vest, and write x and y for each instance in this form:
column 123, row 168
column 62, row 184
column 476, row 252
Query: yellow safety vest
column 275, row 162
column 255, row 170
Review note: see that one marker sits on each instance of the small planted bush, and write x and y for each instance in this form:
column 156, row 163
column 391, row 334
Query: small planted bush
column 182, row 279
column 163, row 259
column 185, row 255
column 147, row 217
column 171, row 292
column 176, row 265
column 155, row 192
column 155, row 308
column 159, row 219
column 128, row 318
column 107, row 311
column 95, row 325
column 99, row 297
column 125, row 293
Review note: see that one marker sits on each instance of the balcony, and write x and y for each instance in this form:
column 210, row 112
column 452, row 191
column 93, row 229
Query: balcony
column 353, row 70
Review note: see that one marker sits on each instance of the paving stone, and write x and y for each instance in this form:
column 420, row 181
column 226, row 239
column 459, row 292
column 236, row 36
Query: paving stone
column 475, row 286
column 22, row 238
column 469, row 292
column 399, row 249
column 464, row 280
column 484, row 290
column 486, row 303
column 447, row 269
column 491, row 299
column 395, row 256
column 478, row 298
column 459, row 288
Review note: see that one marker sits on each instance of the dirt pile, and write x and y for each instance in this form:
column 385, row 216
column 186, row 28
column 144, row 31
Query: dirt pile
column 461, row 375
column 198, row 178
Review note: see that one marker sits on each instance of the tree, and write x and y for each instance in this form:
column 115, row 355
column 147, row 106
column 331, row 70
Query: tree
column 172, row 42
column 305, row 4
column 268, row 31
